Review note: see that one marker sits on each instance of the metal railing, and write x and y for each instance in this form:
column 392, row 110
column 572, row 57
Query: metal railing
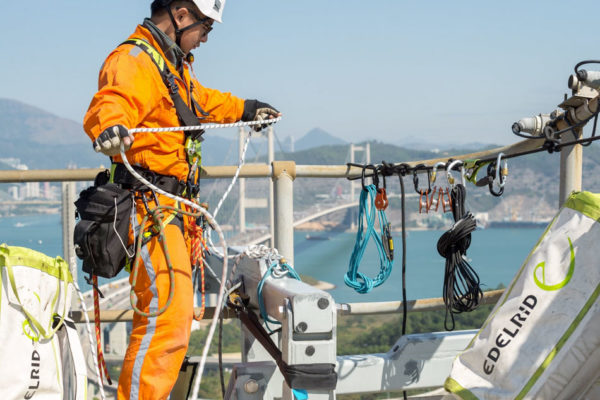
column 283, row 174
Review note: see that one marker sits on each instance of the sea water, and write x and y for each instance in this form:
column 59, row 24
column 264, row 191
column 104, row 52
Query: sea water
column 495, row 254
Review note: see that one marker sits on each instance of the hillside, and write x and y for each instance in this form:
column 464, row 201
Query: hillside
column 47, row 141
column 317, row 137
column 42, row 140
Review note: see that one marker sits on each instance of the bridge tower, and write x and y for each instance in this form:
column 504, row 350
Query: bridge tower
column 366, row 159
column 260, row 202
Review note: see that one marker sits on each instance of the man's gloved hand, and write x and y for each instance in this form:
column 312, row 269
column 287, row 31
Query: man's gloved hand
column 109, row 141
column 255, row 110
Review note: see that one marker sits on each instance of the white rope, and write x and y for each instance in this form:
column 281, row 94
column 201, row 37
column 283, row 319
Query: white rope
column 262, row 251
column 241, row 162
column 206, row 126
column 89, row 331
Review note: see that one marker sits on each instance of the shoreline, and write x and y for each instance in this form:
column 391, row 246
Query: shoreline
column 323, row 227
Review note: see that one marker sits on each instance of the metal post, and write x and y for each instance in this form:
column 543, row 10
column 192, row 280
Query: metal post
column 352, row 183
column 242, row 187
column 284, row 173
column 571, row 160
column 271, row 156
column 366, row 149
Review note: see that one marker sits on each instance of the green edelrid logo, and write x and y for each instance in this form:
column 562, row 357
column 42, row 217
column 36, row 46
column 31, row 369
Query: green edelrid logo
column 548, row 286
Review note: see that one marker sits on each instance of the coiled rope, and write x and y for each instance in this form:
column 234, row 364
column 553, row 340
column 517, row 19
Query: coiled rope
column 366, row 212
column 461, row 283
column 198, row 245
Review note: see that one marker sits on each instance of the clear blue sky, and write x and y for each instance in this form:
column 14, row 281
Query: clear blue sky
column 390, row 70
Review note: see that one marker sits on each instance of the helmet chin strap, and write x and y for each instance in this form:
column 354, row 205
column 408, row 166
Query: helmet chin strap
column 179, row 31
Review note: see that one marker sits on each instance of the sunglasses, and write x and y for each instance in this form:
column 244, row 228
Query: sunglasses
column 204, row 21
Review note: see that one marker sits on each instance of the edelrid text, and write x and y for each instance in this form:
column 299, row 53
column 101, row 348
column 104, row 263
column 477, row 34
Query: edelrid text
column 35, row 375
column 505, row 337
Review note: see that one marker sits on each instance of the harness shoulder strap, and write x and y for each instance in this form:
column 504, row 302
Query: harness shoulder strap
column 185, row 114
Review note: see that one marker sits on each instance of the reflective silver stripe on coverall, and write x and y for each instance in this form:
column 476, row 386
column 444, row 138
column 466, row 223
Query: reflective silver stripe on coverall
column 150, row 327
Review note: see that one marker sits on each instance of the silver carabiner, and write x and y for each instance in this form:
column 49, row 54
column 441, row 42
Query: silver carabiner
column 501, row 172
column 433, row 177
column 449, row 176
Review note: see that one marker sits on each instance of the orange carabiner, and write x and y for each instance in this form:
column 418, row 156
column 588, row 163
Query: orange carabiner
column 446, row 200
column 433, row 201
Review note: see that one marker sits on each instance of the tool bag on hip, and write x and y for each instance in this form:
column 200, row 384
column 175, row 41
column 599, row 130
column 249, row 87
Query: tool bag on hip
column 102, row 233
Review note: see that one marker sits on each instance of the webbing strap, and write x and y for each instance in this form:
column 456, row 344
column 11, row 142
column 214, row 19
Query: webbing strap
column 197, row 261
column 101, row 361
column 298, row 376
column 57, row 268
column 185, row 114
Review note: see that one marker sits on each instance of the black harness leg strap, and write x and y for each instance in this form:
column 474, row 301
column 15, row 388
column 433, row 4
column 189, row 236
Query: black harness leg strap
column 298, row 376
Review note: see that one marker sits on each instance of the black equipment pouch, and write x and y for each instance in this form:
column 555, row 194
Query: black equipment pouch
column 102, row 232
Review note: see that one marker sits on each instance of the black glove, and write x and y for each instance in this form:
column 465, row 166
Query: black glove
column 255, row 110
column 109, row 141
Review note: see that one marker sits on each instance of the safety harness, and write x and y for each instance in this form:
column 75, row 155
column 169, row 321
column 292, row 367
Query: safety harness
column 120, row 175
column 187, row 116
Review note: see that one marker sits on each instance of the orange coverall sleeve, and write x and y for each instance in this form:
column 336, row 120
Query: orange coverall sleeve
column 127, row 92
column 131, row 89
column 223, row 107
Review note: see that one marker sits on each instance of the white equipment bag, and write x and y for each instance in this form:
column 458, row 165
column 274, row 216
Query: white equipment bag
column 41, row 356
column 542, row 339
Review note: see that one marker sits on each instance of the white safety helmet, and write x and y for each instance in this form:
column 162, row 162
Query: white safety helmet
column 211, row 8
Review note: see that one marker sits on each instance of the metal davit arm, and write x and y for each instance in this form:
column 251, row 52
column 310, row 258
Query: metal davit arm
column 308, row 335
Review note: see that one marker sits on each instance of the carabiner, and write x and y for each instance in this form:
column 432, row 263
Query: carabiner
column 433, row 176
column 449, row 176
column 374, row 177
column 446, row 200
column 423, row 203
column 433, row 200
column 416, row 180
column 500, row 172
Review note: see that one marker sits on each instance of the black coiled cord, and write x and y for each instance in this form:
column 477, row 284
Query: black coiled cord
column 461, row 283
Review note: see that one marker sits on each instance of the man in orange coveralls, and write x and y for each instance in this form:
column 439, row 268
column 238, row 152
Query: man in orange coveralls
column 133, row 93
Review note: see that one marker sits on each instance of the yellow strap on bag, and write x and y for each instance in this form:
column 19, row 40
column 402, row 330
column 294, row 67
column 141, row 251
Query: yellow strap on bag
column 11, row 256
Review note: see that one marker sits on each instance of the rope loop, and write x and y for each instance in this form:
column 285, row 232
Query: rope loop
column 157, row 214
column 367, row 213
column 276, row 270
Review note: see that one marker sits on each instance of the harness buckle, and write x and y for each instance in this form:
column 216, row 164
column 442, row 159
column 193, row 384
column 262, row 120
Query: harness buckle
column 173, row 88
